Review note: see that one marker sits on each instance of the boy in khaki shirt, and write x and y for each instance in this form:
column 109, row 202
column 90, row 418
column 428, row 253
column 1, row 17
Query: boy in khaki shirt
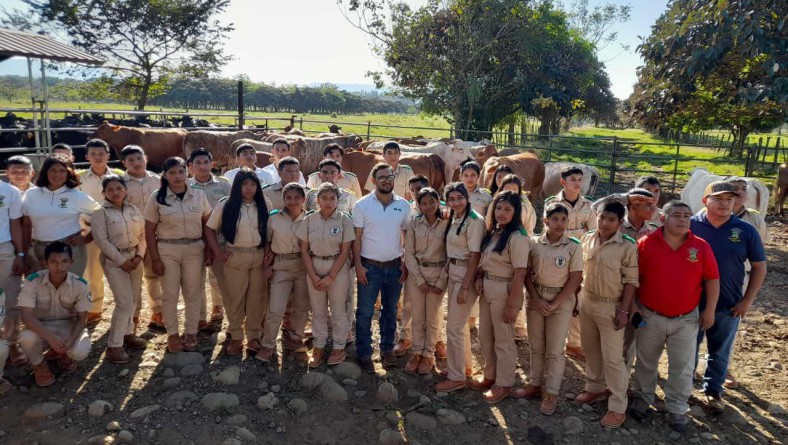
column 610, row 277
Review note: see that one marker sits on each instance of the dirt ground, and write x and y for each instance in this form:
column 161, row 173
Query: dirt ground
column 299, row 415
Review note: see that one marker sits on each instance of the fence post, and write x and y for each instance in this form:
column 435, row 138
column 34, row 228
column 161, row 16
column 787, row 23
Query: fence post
column 241, row 120
column 369, row 126
column 292, row 120
column 675, row 169
column 301, row 123
column 613, row 164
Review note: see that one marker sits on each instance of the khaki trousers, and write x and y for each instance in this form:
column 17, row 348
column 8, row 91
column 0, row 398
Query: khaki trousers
column 425, row 312
column 11, row 285
column 458, row 335
column 679, row 336
column 495, row 335
column 77, row 267
column 522, row 316
column 547, row 337
column 126, row 291
column 94, row 274
column 216, row 280
column 629, row 347
column 245, row 294
column 289, row 277
column 183, row 272
column 405, row 310
column 575, row 339
column 604, row 350
column 152, row 285
column 33, row 344
column 335, row 299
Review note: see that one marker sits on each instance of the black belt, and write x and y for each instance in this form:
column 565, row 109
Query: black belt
column 432, row 263
column 458, row 262
column 668, row 316
column 382, row 264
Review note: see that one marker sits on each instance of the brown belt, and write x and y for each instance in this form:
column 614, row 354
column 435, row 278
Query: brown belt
column 61, row 240
column 457, row 262
column 541, row 288
column 382, row 264
column 491, row 277
column 599, row 299
column 179, row 240
column 324, row 257
column 288, row 256
column 432, row 263
column 243, row 249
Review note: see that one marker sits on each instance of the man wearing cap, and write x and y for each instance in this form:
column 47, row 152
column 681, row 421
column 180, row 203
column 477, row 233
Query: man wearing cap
column 734, row 242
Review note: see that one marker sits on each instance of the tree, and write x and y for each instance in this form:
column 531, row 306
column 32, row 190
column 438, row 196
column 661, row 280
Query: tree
column 715, row 64
column 596, row 23
column 144, row 41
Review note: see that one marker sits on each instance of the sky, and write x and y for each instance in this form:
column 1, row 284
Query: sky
column 309, row 41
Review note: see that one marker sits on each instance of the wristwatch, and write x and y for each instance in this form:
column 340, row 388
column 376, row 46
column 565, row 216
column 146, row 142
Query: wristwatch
column 21, row 254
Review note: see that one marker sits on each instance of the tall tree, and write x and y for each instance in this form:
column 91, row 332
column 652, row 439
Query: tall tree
column 145, row 41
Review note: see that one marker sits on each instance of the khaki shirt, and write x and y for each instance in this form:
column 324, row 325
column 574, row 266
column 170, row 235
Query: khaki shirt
column 114, row 228
column 514, row 255
column 181, row 218
column 459, row 246
column 401, row 177
column 628, row 229
column 609, row 266
column 273, row 196
column 215, row 189
column 480, row 198
column 345, row 204
column 282, row 232
column 347, row 181
column 656, row 221
column 424, row 244
column 326, row 236
column 91, row 182
column 551, row 263
column 756, row 220
column 139, row 190
column 50, row 303
column 247, row 231
column 582, row 217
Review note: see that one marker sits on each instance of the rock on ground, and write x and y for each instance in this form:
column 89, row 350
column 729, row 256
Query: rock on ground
column 231, row 441
column 180, row 398
column 172, row 382
column 450, row 417
column 572, row 425
column 420, row 421
column 775, row 409
column 101, row 439
column 390, row 437
column 191, row 370
column 144, row 411
column 229, row 376
column 98, row 408
column 327, row 388
column 245, row 434
column 347, row 370
column 299, row 406
column 113, row 426
column 387, row 393
column 219, row 400
column 125, row 437
column 236, row 420
column 268, row 401
column 41, row 410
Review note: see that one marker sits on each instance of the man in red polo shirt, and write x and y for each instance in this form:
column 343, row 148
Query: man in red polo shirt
column 676, row 267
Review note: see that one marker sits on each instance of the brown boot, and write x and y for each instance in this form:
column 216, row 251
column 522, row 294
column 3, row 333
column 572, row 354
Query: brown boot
column 449, row 385
column 497, row 393
column 93, row 320
column 134, row 342
column 426, row 365
column 482, row 384
column 190, row 342
column 528, row 392
column 440, row 350
column 412, row 366
column 265, row 354
column 174, row 344
column 235, row 347
column 17, row 355
column 336, row 357
column 549, row 404
column 254, row 345
column 402, row 347
column 43, row 375
column 217, row 314
column 587, row 398
column 116, row 355
column 316, row 357
column 156, row 321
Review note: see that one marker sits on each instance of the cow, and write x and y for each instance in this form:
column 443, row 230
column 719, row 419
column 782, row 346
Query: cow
column 360, row 163
column 219, row 143
column 308, row 151
column 552, row 178
column 526, row 166
column 757, row 193
column 780, row 189
column 157, row 144
column 453, row 155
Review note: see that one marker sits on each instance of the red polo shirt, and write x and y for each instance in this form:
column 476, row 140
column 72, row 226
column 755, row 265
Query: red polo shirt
column 671, row 281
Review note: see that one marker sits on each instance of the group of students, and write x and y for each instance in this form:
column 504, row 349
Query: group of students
column 278, row 253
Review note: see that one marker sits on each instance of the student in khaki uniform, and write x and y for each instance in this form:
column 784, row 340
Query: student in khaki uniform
column 346, row 180
column 552, row 281
column 5, row 385
column 425, row 258
column 246, row 157
column 174, row 218
column 651, row 183
column 287, row 274
column 97, row 153
column 500, row 280
column 242, row 221
column 140, row 185
column 325, row 237
column 330, row 170
column 288, row 170
column 501, row 172
column 53, row 211
column 12, row 266
column 402, row 172
column 480, row 197
column 464, row 237
column 119, row 232
column 200, row 162
column 54, row 304
column 610, row 279
column 582, row 218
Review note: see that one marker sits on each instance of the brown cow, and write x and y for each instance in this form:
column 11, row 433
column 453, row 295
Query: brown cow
column 361, row 164
column 157, row 144
column 525, row 165
column 781, row 189
column 219, row 143
column 486, row 153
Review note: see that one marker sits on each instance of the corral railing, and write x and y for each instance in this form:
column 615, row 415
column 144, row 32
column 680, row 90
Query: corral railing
column 619, row 160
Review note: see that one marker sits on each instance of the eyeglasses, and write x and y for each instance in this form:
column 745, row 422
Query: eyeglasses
column 389, row 178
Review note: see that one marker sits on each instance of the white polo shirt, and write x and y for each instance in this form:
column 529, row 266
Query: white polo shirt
column 274, row 173
column 383, row 226
column 55, row 214
column 263, row 175
column 10, row 208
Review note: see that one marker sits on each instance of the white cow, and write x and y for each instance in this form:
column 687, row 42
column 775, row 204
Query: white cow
column 552, row 178
column 757, row 192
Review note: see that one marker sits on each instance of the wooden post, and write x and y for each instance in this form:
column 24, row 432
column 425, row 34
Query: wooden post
column 369, row 127
column 241, row 119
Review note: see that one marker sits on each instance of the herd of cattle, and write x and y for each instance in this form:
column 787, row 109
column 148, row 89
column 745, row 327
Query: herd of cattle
column 438, row 160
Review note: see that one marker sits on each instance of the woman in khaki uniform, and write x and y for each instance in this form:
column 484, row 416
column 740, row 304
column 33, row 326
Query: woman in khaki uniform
column 425, row 257
column 173, row 231
column 325, row 239
column 287, row 273
column 553, row 279
column 242, row 219
column 119, row 232
column 500, row 281
column 463, row 238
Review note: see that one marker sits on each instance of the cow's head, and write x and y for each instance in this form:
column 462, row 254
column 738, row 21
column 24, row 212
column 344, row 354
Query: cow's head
column 486, row 153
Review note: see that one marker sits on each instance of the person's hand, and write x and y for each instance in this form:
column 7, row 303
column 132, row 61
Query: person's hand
column 741, row 308
column 403, row 273
column 325, row 282
column 158, row 267
column 31, row 265
column 621, row 320
column 543, row 307
column 223, row 256
column 19, row 266
column 75, row 240
column 269, row 272
column 510, row 313
column 136, row 260
column 706, row 319
column 128, row 266
column 436, row 290
column 315, row 280
column 478, row 286
column 57, row 343
column 461, row 295
column 208, row 257
column 268, row 259
column 361, row 275
column 425, row 288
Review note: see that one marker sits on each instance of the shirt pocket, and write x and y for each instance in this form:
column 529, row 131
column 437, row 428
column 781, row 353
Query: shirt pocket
column 67, row 302
column 169, row 210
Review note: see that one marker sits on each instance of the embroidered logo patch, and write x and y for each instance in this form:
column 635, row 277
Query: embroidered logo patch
column 63, row 203
column 335, row 230
column 2, row 201
column 560, row 261
column 693, row 255
column 735, row 235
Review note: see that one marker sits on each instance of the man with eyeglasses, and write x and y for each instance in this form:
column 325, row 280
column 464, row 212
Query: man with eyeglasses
column 733, row 242
column 380, row 219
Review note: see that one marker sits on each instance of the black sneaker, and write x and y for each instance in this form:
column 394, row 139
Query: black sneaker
column 366, row 365
column 678, row 422
column 638, row 408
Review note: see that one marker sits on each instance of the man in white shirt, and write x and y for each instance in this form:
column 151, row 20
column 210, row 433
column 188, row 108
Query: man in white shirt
column 12, row 266
column 280, row 149
column 380, row 219
column 246, row 156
